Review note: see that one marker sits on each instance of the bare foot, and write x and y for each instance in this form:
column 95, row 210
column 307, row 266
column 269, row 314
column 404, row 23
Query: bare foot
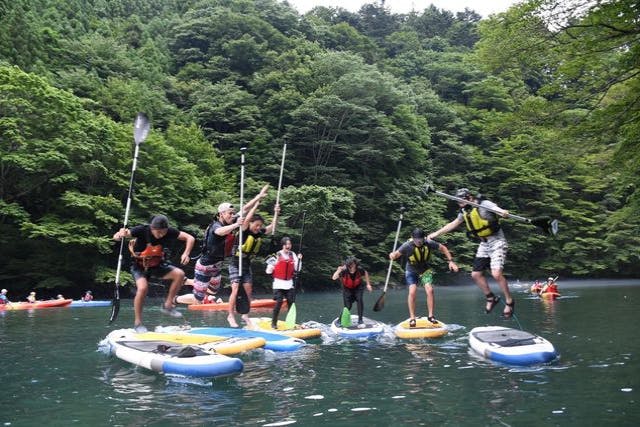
column 245, row 319
column 232, row 321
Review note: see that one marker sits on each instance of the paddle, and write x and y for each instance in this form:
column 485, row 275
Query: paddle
column 140, row 133
column 545, row 223
column 290, row 320
column 345, row 318
column 243, row 305
column 379, row 305
column 284, row 152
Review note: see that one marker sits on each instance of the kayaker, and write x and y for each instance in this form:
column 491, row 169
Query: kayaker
column 549, row 286
column 354, row 278
column 283, row 266
column 252, row 231
column 88, row 296
column 3, row 297
column 418, row 269
column 32, row 297
column 149, row 261
column 484, row 225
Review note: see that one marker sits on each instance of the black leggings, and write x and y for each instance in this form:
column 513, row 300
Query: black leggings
column 279, row 295
column 351, row 295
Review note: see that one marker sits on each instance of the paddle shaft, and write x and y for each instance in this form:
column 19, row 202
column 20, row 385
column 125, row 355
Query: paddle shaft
column 242, row 150
column 395, row 246
column 284, row 153
column 477, row 205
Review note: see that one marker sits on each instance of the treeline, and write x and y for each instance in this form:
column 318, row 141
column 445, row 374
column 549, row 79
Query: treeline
column 536, row 108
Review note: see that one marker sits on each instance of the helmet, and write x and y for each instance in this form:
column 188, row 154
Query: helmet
column 463, row 193
column 418, row 233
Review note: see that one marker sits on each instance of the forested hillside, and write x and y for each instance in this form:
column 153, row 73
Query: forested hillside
column 536, row 108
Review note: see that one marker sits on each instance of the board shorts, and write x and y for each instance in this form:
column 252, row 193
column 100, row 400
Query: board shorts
column 492, row 254
column 158, row 272
column 424, row 278
column 206, row 279
column 234, row 272
column 288, row 294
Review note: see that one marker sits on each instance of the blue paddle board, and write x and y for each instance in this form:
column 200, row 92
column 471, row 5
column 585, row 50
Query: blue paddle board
column 275, row 342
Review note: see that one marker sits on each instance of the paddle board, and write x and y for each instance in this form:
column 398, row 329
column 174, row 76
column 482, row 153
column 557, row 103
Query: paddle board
column 298, row 331
column 423, row 329
column 368, row 329
column 221, row 345
column 93, row 303
column 511, row 346
column 275, row 342
column 169, row 357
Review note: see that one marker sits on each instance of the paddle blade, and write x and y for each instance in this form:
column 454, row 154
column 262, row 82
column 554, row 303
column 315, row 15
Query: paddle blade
column 290, row 320
column 379, row 305
column 545, row 223
column 115, row 306
column 243, row 306
column 140, row 128
column 345, row 319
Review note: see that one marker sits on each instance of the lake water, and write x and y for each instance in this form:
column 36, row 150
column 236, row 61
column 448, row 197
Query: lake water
column 54, row 375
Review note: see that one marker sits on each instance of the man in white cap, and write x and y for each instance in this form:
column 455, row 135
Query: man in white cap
column 3, row 298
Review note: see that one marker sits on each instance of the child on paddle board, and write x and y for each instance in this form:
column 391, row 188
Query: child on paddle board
column 283, row 266
column 354, row 278
column 253, row 230
column 483, row 224
column 148, row 261
column 417, row 250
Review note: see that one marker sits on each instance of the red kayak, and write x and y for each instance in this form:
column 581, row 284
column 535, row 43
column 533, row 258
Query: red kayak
column 265, row 303
column 36, row 305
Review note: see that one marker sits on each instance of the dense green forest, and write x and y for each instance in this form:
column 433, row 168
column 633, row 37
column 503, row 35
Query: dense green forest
column 537, row 108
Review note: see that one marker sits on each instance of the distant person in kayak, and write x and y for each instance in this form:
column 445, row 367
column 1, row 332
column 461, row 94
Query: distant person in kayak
column 484, row 225
column 88, row 296
column 147, row 251
column 3, row 297
column 550, row 286
column 283, row 267
column 253, row 230
column 32, row 297
column 354, row 279
column 418, row 269
column 60, row 296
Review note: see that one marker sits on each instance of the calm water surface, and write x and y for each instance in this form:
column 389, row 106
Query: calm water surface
column 53, row 373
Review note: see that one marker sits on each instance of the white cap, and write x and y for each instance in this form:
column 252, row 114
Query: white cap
column 550, row 279
column 223, row 207
column 4, row 291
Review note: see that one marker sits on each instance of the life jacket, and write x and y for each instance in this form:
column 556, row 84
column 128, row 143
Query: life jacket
column 284, row 269
column 478, row 227
column 150, row 257
column 420, row 254
column 351, row 281
column 3, row 300
column 250, row 247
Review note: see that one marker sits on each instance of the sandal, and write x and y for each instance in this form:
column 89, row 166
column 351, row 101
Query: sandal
column 492, row 300
column 432, row 319
column 511, row 305
column 412, row 323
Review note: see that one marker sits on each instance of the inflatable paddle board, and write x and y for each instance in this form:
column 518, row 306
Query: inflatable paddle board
column 256, row 304
column 169, row 357
column 36, row 305
column 275, row 342
column 423, row 329
column 298, row 331
column 221, row 345
column 511, row 346
column 368, row 329
column 93, row 303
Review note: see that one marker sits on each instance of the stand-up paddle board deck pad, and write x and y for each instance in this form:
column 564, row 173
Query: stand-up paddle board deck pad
column 511, row 346
column 369, row 328
column 424, row 329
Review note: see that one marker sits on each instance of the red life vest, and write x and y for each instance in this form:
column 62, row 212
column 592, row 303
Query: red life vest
column 284, row 268
column 349, row 281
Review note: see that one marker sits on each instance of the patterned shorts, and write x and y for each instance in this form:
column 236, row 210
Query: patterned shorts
column 491, row 254
column 206, row 277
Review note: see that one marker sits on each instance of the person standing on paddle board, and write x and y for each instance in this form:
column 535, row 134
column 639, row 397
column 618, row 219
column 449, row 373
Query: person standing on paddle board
column 251, row 243
column 283, row 266
column 418, row 250
column 484, row 225
column 354, row 278
column 149, row 261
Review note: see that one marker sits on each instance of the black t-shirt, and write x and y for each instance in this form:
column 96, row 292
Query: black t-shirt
column 143, row 235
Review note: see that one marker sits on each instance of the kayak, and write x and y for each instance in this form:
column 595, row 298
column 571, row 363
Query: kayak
column 265, row 303
column 275, row 342
column 169, row 357
column 38, row 304
column 298, row 331
column 94, row 303
column 549, row 295
column 368, row 329
column 511, row 346
column 423, row 329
